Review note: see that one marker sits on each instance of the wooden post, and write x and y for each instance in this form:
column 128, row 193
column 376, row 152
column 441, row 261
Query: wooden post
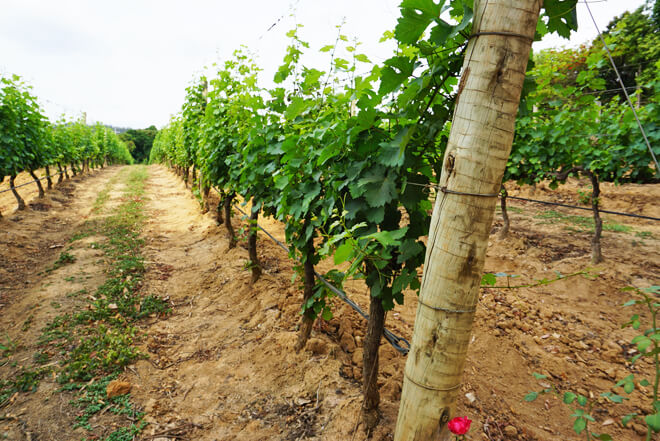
column 479, row 146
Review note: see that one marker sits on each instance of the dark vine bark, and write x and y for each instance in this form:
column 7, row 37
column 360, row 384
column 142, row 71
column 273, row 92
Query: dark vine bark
column 205, row 197
column 252, row 245
column 308, row 317
column 73, row 169
column 38, row 182
column 48, row 178
column 596, row 254
column 200, row 189
column 219, row 218
column 375, row 327
column 505, row 214
column 204, row 190
column 19, row 199
column 60, row 178
column 230, row 229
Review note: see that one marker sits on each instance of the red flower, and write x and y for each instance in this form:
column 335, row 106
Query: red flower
column 459, row 425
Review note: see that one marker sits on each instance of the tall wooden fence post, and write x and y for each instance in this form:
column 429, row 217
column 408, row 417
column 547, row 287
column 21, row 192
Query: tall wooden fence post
column 479, row 146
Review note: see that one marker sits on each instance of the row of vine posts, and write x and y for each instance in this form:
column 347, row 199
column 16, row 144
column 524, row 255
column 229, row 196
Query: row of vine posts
column 31, row 142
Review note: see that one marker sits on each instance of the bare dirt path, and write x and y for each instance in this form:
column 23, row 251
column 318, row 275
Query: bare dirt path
column 29, row 239
column 222, row 366
column 35, row 286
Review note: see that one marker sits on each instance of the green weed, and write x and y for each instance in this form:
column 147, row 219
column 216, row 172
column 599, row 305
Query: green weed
column 64, row 259
column 27, row 323
column 581, row 224
column 7, row 346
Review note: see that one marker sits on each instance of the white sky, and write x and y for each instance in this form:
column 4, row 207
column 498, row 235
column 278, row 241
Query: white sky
column 128, row 62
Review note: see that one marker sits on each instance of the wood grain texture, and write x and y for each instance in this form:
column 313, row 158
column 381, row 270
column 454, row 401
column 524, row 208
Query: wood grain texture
column 478, row 148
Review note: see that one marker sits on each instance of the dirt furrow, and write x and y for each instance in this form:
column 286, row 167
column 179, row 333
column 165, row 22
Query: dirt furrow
column 48, row 265
column 222, row 366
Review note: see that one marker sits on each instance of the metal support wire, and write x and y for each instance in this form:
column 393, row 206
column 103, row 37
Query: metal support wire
column 399, row 343
column 618, row 213
column 639, row 216
column 623, row 86
column 31, row 182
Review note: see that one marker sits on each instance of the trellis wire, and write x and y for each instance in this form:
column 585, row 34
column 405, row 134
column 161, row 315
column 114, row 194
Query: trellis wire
column 30, row 182
column 618, row 213
column 391, row 338
column 639, row 216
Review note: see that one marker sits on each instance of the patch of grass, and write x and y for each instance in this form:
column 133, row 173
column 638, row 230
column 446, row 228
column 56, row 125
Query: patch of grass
column 27, row 323
column 23, row 380
column 76, row 294
column 509, row 209
column 97, row 341
column 93, row 400
column 101, row 199
column 581, row 224
column 127, row 433
column 644, row 234
column 58, row 332
column 104, row 195
column 65, row 258
column 7, row 346
column 103, row 349
column 87, row 230
column 617, row 228
column 40, row 357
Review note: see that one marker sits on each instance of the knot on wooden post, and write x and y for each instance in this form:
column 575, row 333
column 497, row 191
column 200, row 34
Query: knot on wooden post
column 444, row 418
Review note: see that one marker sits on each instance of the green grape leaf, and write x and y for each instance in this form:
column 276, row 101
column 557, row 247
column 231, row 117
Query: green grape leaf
column 416, row 15
column 562, row 16
column 297, row 106
column 362, row 58
column 343, row 253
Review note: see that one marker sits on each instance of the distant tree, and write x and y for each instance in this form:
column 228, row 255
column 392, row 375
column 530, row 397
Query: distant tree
column 142, row 139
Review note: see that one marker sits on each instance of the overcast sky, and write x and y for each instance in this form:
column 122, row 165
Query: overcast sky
column 128, row 62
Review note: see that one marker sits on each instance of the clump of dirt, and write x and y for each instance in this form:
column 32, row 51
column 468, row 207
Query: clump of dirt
column 39, row 206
